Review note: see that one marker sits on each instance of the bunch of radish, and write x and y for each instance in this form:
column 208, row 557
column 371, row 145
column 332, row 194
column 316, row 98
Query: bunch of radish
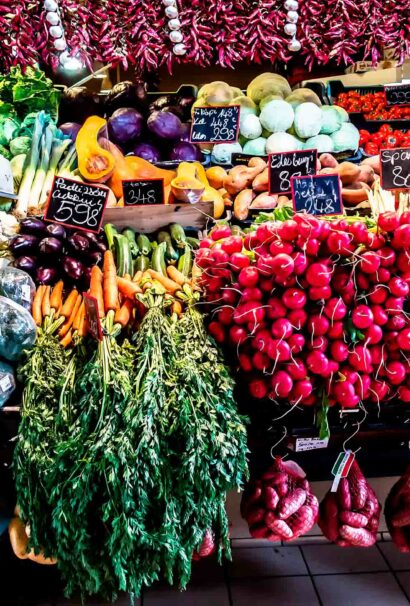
column 279, row 506
column 350, row 516
column 397, row 513
column 308, row 304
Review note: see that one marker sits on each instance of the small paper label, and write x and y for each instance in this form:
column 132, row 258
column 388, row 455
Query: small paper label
column 341, row 468
column 304, row 444
column 5, row 384
column 26, row 292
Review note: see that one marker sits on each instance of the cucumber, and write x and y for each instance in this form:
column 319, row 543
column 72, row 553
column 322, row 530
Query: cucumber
column 129, row 233
column 185, row 262
column 142, row 263
column 158, row 259
column 123, row 257
column 143, row 244
column 193, row 243
column 171, row 254
column 110, row 232
column 178, row 234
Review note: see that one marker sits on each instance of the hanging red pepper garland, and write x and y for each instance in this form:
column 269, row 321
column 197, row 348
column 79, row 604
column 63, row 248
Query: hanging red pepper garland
column 213, row 31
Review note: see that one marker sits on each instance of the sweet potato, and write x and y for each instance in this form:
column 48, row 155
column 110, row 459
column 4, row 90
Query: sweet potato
column 281, row 528
column 255, row 516
column 374, row 162
column 344, row 499
column 359, row 537
column 259, row 531
column 240, row 177
column 366, row 174
column 354, row 519
column 355, row 193
column 328, row 161
column 261, row 181
column 302, row 521
column 264, row 201
column 282, row 489
column 328, row 517
column 291, row 503
column 242, row 203
column 258, row 163
column 270, row 497
column 348, row 172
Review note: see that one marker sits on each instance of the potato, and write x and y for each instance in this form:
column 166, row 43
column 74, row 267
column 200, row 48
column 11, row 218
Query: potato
column 328, row 161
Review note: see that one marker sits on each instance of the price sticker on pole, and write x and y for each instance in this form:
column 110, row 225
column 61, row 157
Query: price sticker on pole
column 317, row 195
column 215, row 124
column 395, row 168
column 76, row 204
column 143, row 192
column 93, row 316
column 285, row 165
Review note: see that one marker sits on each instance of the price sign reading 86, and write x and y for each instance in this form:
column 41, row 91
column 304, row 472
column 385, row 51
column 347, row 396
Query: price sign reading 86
column 143, row 193
column 317, row 195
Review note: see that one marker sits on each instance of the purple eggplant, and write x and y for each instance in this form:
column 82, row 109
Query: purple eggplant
column 51, row 246
column 79, row 243
column 31, row 225
column 87, row 275
column 22, row 244
column 28, row 264
column 97, row 242
column 94, row 258
column 46, row 275
column 57, row 231
column 73, row 268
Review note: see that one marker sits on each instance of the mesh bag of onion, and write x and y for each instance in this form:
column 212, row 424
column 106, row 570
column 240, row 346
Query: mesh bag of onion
column 350, row 516
column 397, row 513
column 279, row 506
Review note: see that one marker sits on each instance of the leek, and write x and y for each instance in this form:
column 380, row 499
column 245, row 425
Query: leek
column 68, row 164
column 57, row 150
column 40, row 176
column 21, row 208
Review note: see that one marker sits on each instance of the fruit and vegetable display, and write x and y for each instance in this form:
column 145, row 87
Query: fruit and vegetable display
column 384, row 138
column 372, row 105
column 349, row 516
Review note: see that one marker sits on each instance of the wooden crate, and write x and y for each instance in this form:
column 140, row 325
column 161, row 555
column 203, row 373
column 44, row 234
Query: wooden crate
column 151, row 218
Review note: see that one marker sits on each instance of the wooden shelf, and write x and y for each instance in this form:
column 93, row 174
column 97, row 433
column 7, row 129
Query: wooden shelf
column 151, row 218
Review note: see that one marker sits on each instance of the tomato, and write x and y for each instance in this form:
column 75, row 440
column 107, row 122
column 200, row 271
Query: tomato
column 371, row 149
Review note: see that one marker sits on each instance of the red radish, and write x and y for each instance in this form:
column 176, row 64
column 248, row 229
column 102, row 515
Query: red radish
column 206, row 243
column 250, row 241
column 251, row 294
column 317, row 362
column 297, row 318
column 282, row 265
column 379, row 315
column 281, row 383
column 373, row 334
column 237, row 335
column 335, row 331
column 248, row 276
column 378, row 355
column 359, row 232
column 403, row 261
column 339, row 351
column 301, row 389
column 388, row 221
column 216, row 330
column 300, row 263
column 230, row 296
column 362, row 386
column 335, row 309
column 275, row 308
column 245, row 362
column 281, row 328
column 278, row 247
column 266, row 284
column 261, row 361
column 398, row 287
column 319, row 293
column 382, row 276
column 362, row 317
column 262, row 339
column 397, row 322
column 369, row 262
column 319, row 343
column 360, row 359
column 378, row 294
column 204, row 258
column 252, row 311
column 288, row 230
column 404, row 394
column 401, row 238
column 266, row 232
column 296, row 369
column 232, row 245
column 387, row 256
column 258, row 389
column 296, row 343
column 394, row 305
column 375, row 241
column 279, row 350
column 362, row 281
column 238, row 261
column 378, row 391
column 220, row 258
column 403, row 339
column 225, row 316
column 221, row 231
column 318, row 274
column 294, row 298
column 395, row 372
column 318, row 325
column 339, row 243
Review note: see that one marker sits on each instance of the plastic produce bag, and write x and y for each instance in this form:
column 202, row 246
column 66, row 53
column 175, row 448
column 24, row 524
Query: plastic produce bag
column 17, row 330
column 17, row 285
column 7, row 382
column 350, row 516
column 397, row 513
column 280, row 506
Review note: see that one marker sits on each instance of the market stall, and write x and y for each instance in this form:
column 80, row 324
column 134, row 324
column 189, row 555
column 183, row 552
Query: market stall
column 201, row 290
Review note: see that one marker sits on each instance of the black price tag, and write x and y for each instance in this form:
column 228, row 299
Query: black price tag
column 76, row 204
column 285, row 165
column 397, row 95
column 93, row 317
column 243, row 159
column 143, row 193
column 215, row 124
column 317, row 195
column 395, row 168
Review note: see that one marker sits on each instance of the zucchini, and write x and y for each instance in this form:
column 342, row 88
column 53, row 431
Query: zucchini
column 129, row 233
column 123, row 257
column 110, row 232
column 185, row 262
column 193, row 243
column 178, row 234
column 142, row 263
column 144, row 245
column 158, row 259
column 171, row 254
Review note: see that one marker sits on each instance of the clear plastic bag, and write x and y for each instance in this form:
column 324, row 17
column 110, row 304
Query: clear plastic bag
column 7, row 382
column 17, row 329
column 17, row 285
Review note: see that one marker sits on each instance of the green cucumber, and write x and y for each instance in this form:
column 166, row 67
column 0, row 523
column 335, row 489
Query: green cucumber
column 143, row 244
column 170, row 252
column 178, row 234
column 193, row 243
column 185, row 262
column 110, row 232
column 142, row 263
column 158, row 259
column 129, row 233
column 123, row 257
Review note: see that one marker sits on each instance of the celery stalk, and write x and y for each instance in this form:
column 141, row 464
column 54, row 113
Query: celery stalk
column 57, row 150
column 40, row 176
column 21, row 208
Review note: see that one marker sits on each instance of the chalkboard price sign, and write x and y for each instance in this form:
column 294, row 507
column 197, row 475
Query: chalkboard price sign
column 397, row 95
column 215, row 124
column 395, row 168
column 317, row 195
column 76, row 204
column 243, row 159
column 283, row 166
column 93, row 318
column 143, row 192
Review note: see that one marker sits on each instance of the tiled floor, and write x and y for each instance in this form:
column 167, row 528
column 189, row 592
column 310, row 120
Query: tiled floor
column 311, row 573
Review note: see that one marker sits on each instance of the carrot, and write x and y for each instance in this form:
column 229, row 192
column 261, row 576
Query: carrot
column 168, row 284
column 110, row 287
column 45, row 303
column 83, row 327
column 36, row 306
column 127, row 276
column 96, row 288
column 127, row 288
column 78, row 318
column 123, row 315
column 67, row 339
column 57, row 295
column 137, row 276
column 69, row 303
column 176, row 308
column 175, row 275
column 69, row 321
